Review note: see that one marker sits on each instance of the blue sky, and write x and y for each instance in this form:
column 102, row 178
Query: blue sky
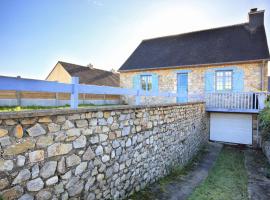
column 35, row 34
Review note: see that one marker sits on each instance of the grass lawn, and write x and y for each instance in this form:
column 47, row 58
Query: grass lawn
column 21, row 108
column 227, row 180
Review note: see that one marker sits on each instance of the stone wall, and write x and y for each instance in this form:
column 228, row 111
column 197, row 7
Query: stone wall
column 98, row 153
column 266, row 149
column 168, row 80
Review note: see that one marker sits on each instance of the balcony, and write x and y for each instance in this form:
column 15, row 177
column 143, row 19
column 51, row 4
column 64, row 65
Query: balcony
column 241, row 102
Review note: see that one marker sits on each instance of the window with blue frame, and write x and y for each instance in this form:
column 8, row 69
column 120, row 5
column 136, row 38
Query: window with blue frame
column 146, row 82
column 224, row 80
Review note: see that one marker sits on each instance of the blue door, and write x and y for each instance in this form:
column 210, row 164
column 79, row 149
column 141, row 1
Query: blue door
column 182, row 87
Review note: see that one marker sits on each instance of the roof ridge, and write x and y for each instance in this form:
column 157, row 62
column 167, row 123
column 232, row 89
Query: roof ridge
column 198, row 31
column 86, row 67
column 70, row 63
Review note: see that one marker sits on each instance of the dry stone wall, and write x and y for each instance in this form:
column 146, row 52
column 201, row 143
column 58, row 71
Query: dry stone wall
column 99, row 153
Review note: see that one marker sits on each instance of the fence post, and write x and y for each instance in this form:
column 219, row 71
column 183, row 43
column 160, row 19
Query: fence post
column 18, row 96
column 138, row 98
column 74, row 96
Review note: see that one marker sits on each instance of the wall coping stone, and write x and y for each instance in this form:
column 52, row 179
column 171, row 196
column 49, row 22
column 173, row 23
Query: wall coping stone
column 64, row 111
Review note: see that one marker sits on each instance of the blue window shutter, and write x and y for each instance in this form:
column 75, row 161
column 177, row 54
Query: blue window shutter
column 209, row 81
column 136, row 82
column 238, row 80
column 155, row 82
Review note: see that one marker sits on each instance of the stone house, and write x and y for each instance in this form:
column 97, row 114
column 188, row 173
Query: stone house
column 225, row 66
column 232, row 58
column 63, row 72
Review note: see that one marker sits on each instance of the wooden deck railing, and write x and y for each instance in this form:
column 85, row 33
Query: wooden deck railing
column 235, row 101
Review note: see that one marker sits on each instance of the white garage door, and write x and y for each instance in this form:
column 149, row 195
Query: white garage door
column 233, row 128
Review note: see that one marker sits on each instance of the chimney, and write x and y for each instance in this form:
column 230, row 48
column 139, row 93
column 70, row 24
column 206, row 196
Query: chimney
column 256, row 18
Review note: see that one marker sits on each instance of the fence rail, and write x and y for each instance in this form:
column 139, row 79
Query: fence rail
column 74, row 89
column 240, row 101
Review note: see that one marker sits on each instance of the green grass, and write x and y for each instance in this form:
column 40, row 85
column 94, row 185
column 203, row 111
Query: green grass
column 22, row 108
column 227, row 180
column 152, row 191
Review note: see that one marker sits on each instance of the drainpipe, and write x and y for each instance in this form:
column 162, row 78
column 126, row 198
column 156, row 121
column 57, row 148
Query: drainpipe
column 262, row 76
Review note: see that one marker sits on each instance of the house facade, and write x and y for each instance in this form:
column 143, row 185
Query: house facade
column 226, row 59
column 227, row 67
column 239, row 77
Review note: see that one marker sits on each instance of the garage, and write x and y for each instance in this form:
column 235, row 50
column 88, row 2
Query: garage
column 231, row 127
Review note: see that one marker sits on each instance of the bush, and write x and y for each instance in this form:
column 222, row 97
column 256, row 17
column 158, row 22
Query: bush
column 264, row 119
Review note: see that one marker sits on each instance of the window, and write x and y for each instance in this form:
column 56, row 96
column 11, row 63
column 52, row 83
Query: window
column 146, row 82
column 224, row 80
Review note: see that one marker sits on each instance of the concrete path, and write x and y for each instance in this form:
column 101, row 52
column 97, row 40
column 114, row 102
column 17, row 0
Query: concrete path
column 258, row 183
column 183, row 187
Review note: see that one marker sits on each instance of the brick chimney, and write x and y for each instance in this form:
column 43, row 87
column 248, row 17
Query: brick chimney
column 256, row 18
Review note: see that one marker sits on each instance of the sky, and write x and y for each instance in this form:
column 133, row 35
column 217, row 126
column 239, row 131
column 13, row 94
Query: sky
column 35, row 34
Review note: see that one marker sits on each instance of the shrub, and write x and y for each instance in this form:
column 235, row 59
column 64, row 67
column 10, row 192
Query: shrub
column 264, row 119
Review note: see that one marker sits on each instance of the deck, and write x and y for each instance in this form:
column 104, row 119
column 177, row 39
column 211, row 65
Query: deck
column 235, row 102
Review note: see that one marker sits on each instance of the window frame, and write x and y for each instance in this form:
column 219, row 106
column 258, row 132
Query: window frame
column 223, row 80
column 149, row 78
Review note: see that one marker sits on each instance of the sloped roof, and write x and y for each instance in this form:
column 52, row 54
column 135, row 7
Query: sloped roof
column 92, row 76
column 236, row 43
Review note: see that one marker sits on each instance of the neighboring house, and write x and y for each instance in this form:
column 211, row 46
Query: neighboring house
column 228, row 61
column 62, row 72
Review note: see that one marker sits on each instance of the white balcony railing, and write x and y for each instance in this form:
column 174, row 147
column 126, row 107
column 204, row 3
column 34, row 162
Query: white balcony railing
column 235, row 101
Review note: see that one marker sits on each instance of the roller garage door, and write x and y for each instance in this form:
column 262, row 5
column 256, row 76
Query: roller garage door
column 231, row 127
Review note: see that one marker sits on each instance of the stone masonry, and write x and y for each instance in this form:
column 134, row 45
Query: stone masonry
column 97, row 153
column 167, row 80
